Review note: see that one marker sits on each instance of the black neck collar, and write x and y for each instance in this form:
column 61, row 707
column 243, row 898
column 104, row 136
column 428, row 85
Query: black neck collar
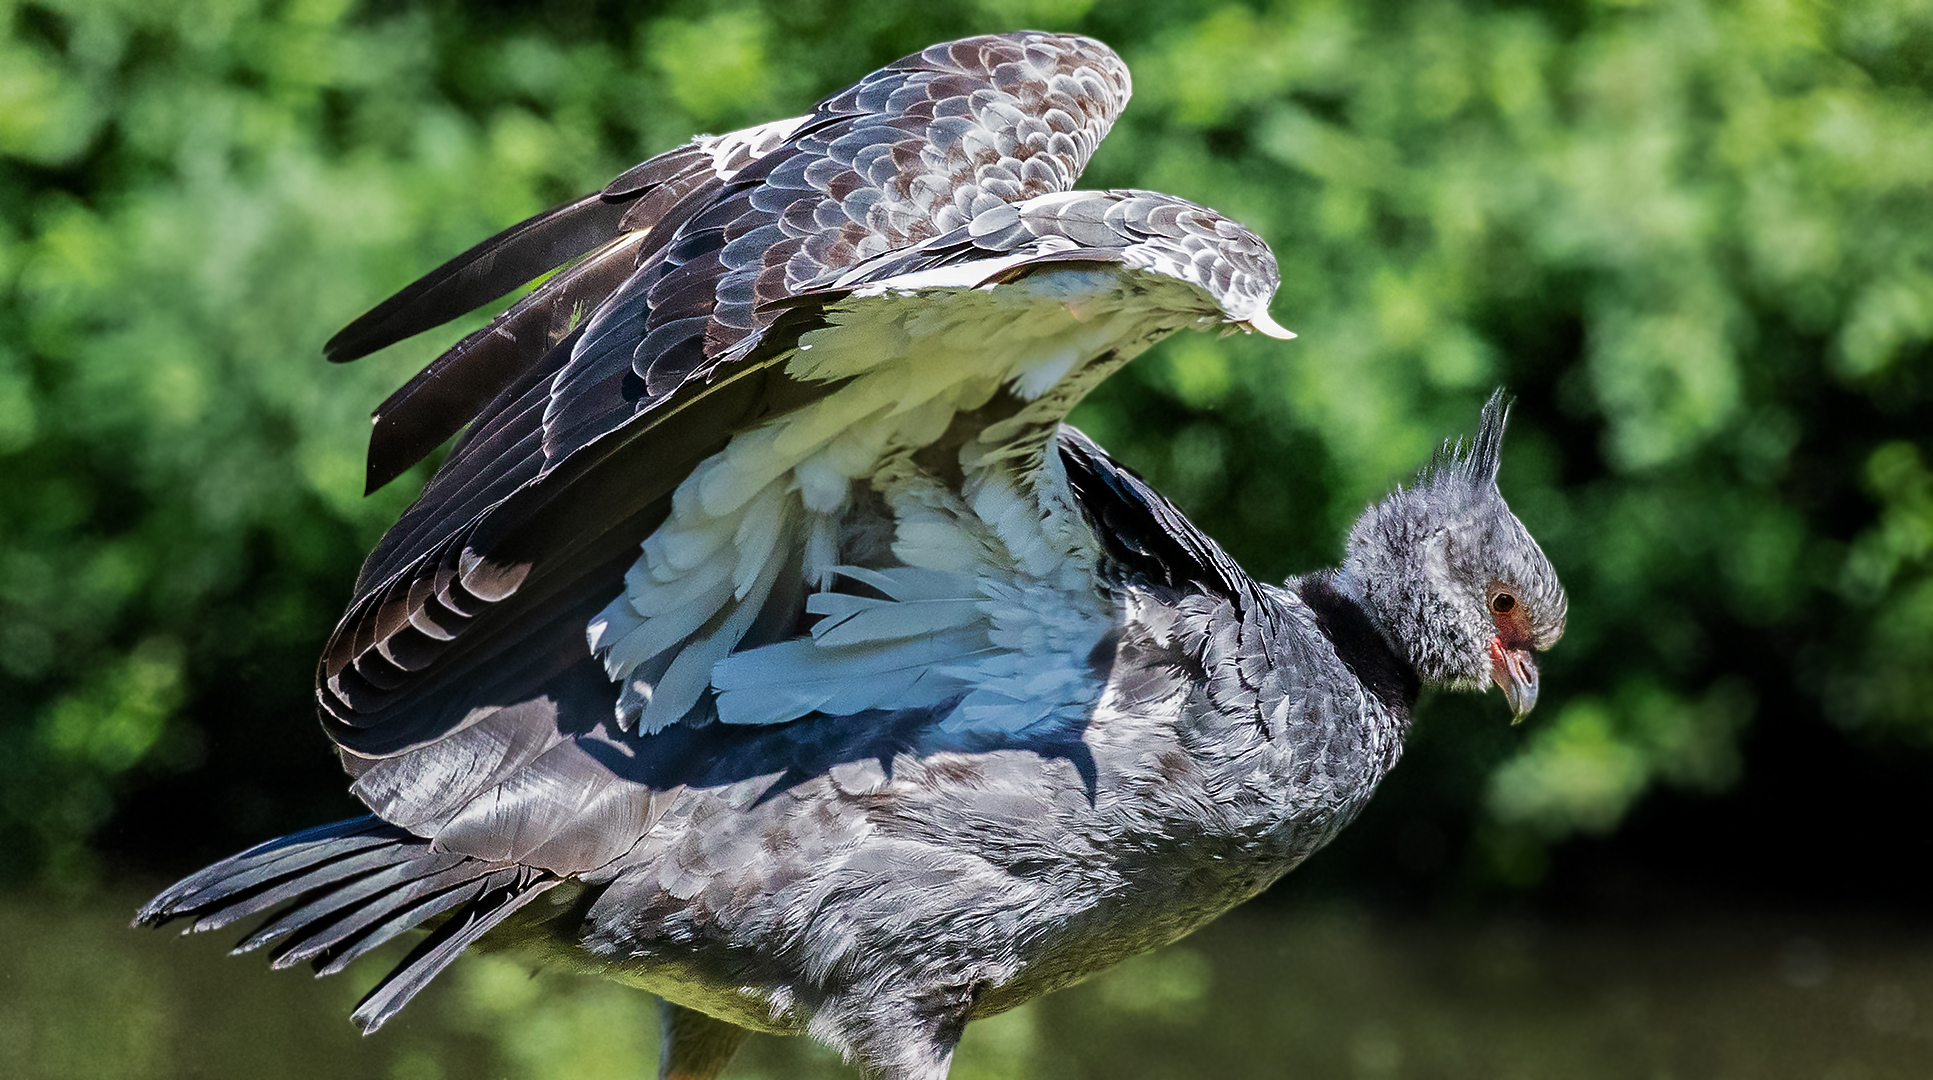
column 1359, row 645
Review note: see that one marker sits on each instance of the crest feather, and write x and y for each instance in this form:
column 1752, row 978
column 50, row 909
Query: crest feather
column 1474, row 463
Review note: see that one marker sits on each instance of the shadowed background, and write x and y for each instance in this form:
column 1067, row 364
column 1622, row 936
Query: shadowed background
column 1695, row 238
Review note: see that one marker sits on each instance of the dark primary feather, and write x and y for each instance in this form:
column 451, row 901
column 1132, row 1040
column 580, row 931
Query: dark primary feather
column 620, row 222
column 482, row 274
column 452, row 390
column 525, row 251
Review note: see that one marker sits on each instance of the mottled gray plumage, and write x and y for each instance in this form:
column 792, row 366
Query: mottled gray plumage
column 977, row 713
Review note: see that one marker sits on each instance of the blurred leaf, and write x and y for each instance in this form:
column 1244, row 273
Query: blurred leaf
column 716, row 67
column 115, row 721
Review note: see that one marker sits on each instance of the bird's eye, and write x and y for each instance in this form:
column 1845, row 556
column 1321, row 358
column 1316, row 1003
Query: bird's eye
column 1503, row 603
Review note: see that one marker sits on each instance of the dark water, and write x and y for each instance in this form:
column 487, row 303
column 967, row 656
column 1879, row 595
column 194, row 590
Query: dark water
column 1274, row 993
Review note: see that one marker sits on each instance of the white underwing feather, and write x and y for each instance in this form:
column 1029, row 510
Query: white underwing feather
column 757, row 538
column 658, row 633
column 689, row 676
column 783, row 681
column 884, row 620
column 904, row 582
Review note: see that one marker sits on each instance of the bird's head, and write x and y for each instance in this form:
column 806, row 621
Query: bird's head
column 1451, row 577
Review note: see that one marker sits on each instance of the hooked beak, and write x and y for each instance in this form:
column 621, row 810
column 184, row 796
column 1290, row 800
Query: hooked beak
column 1516, row 673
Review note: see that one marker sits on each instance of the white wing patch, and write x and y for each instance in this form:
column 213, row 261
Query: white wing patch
column 994, row 593
column 733, row 151
column 995, row 608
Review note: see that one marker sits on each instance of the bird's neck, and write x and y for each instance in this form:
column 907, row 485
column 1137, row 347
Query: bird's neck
column 1344, row 618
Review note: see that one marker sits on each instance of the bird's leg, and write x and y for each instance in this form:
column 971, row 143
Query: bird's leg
column 694, row 1046
column 913, row 1038
column 911, row 1057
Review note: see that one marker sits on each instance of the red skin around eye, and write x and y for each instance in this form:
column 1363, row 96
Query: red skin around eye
column 1513, row 629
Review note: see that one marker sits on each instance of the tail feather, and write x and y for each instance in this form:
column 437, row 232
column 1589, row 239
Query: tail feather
column 429, row 907
column 319, row 917
column 237, row 906
column 347, row 921
column 520, row 886
column 272, row 861
column 348, row 888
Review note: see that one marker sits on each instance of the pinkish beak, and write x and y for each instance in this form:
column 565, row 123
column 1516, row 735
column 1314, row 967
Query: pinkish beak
column 1514, row 671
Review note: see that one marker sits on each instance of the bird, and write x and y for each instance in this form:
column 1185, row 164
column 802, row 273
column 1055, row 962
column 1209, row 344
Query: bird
column 768, row 641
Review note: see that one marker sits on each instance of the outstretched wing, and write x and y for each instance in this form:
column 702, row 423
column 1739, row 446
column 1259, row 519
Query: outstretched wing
column 616, row 392
column 898, row 544
column 778, row 445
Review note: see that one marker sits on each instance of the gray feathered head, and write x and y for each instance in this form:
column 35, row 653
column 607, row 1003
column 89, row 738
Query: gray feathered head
column 1451, row 577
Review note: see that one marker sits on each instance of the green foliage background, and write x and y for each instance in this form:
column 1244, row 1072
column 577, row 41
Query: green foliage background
column 1695, row 236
